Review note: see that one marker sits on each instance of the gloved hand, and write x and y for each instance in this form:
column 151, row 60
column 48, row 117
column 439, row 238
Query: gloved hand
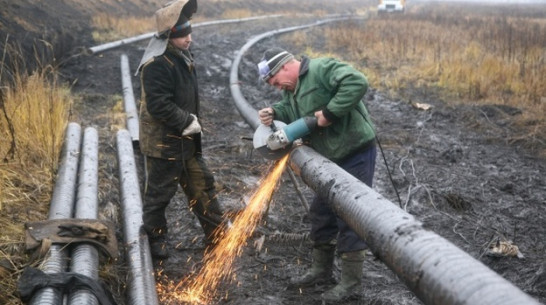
column 193, row 128
column 266, row 115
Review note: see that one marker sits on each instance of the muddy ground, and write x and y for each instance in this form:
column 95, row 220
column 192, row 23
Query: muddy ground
column 452, row 166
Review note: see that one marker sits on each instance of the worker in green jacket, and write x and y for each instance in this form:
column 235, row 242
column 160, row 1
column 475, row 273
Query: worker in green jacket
column 332, row 91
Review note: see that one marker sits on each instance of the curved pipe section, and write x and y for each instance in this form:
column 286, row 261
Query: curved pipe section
column 61, row 207
column 122, row 42
column 247, row 111
column 85, row 257
column 434, row 269
column 141, row 282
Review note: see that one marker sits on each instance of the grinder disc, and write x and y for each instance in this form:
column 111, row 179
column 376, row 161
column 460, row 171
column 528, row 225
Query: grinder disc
column 260, row 141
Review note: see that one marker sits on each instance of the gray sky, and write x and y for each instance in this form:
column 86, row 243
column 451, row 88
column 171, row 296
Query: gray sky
column 486, row 1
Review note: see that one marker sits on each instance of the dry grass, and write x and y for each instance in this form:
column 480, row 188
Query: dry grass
column 110, row 28
column 473, row 54
column 237, row 13
column 34, row 111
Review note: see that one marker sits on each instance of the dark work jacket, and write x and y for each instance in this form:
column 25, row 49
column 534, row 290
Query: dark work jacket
column 169, row 96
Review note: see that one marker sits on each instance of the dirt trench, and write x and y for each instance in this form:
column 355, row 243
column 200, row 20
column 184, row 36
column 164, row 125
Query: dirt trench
column 452, row 169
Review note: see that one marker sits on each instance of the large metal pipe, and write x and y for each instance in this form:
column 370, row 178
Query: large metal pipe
column 141, row 282
column 61, row 207
column 129, row 103
column 85, row 257
column 435, row 270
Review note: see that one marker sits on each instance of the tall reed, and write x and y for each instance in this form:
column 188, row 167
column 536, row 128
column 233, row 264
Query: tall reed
column 34, row 111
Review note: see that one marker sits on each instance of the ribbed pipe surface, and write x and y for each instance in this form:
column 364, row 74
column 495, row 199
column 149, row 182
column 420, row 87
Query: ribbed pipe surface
column 129, row 103
column 85, row 257
column 61, row 207
column 437, row 271
column 141, row 282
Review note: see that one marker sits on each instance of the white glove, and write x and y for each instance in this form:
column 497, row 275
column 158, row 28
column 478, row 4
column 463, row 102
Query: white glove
column 193, row 128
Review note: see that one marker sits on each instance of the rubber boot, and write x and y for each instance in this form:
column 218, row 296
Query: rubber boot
column 321, row 267
column 351, row 278
column 212, row 220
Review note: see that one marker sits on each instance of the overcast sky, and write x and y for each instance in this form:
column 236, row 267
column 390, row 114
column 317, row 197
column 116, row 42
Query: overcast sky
column 488, row 1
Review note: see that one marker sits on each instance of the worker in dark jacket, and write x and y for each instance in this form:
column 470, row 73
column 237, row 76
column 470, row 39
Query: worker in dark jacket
column 170, row 131
column 331, row 91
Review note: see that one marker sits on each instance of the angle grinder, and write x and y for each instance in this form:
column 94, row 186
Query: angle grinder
column 275, row 141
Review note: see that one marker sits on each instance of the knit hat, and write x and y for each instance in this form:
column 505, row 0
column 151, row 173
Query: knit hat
column 172, row 20
column 181, row 28
column 272, row 62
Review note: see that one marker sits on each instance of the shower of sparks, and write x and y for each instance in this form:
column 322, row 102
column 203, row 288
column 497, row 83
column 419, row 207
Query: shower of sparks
column 201, row 288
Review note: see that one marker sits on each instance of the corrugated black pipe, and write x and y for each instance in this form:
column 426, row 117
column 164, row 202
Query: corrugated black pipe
column 437, row 271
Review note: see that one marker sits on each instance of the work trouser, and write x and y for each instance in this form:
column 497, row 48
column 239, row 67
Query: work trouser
column 163, row 178
column 325, row 224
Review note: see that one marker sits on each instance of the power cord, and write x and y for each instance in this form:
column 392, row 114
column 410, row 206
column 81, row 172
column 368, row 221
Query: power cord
column 388, row 171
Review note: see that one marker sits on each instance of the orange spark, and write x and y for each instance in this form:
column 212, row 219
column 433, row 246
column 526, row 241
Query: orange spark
column 201, row 288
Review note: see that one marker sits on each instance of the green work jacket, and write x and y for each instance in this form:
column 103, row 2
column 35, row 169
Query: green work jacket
column 337, row 89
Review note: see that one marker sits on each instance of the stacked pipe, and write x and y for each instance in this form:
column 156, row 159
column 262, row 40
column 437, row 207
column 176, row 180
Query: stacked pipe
column 62, row 207
column 85, row 257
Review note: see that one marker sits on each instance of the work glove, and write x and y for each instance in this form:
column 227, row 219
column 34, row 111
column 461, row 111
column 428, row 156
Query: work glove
column 193, row 128
column 266, row 116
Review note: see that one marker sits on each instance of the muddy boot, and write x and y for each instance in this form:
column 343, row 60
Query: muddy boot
column 351, row 277
column 213, row 222
column 321, row 267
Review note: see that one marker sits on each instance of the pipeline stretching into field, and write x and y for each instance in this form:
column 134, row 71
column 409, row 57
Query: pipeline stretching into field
column 122, row 42
column 437, row 271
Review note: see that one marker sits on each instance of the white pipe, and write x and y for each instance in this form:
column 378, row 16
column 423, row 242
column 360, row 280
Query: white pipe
column 62, row 206
column 125, row 41
column 129, row 99
column 141, row 282
column 85, row 256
